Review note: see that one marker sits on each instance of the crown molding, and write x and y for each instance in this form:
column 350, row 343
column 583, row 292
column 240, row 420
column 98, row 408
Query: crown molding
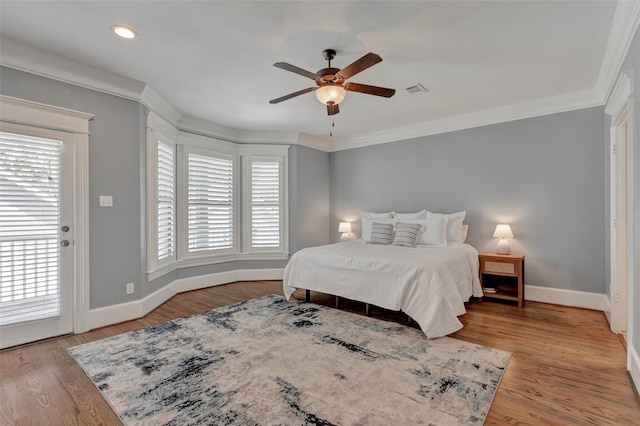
column 539, row 107
column 620, row 94
column 626, row 21
column 315, row 142
column 152, row 100
column 206, row 128
column 267, row 137
column 45, row 64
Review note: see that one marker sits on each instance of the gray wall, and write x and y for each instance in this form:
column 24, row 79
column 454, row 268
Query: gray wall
column 114, row 169
column 117, row 167
column 542, row 175
column 632, row 62
column 310, row 213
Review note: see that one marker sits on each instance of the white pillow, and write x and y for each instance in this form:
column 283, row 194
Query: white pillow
column 417, row 215
column 371, row 215
column 367, row 224
column 465, row 230
column 454, row 225
column 433, row 232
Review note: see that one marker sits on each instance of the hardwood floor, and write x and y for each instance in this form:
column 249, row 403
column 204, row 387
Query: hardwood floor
column 567, row 368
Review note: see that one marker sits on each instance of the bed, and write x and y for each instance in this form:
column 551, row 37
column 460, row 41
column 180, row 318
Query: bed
column 430, row 284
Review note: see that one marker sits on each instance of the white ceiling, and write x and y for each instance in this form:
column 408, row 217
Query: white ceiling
column 213, row 61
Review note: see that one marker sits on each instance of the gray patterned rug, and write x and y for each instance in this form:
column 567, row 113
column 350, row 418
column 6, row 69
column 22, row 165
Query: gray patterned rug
column 270, row 362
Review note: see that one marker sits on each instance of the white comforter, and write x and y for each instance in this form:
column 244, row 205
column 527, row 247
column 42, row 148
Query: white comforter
column 430, row 284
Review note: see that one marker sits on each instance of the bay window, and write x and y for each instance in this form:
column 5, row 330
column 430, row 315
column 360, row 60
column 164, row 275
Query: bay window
column 212, row 201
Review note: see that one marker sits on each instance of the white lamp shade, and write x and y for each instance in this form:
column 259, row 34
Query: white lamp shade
column 330, row 93
column 503, row 231
column 344, row 227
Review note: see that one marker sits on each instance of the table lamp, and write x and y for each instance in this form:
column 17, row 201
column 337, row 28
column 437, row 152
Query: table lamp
column 345, row 229
column 503, row 231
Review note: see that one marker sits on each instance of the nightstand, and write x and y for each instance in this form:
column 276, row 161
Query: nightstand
column 502, row 276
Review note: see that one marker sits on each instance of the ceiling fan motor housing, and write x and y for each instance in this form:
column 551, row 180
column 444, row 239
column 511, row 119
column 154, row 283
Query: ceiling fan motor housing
column 328, row 75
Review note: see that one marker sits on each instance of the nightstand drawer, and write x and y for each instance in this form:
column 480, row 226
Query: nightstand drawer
column 491, row 266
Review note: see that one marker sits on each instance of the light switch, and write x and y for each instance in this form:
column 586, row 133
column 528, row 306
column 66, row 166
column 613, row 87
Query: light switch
column 106, row 201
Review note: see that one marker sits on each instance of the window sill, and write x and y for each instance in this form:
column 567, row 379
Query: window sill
column 212, row 260
column 152, row 275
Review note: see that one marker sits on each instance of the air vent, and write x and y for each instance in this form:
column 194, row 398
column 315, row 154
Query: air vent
column 418, row 89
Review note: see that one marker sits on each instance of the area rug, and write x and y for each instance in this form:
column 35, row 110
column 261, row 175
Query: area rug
column 271, row 362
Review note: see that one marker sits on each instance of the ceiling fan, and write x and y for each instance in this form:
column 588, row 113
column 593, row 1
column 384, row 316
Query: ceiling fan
column 331, row 87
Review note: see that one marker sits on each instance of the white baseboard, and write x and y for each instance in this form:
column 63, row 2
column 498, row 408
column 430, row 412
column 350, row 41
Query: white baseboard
column 101, row 317
column 108, row 315
column 574, row 298
column 204, row 281
column 634, row 367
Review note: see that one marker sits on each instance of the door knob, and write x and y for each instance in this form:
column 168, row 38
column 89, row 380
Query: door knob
column 65, row 228
column 64, row 243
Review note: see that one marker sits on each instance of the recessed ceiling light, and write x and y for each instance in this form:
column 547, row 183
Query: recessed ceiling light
column 124, row 32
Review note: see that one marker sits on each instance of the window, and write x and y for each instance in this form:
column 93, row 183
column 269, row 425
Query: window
column 166, row 214
column 209, row 203
column 162, row 236
column 264, row 194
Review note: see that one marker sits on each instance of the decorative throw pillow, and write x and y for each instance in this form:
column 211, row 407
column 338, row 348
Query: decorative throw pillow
column 406, row 234
column 367, row 225
column 367, row 219
column 381, row 233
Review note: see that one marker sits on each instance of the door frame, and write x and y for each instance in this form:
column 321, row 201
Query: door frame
column 619, row 105
column 76, row 123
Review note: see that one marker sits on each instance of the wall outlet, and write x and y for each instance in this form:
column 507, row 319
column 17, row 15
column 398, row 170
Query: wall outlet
column 130, row 288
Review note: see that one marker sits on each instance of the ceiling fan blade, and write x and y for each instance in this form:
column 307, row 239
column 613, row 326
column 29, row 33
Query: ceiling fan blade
column 370, row 90
column 332, row 109
column 297, row 70
column 292, row 95
column 361, row 64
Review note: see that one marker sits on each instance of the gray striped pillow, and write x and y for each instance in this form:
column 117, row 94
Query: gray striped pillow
column 406, row 234
column 381, row 233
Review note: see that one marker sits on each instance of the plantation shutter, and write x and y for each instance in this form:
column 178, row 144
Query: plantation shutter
column 166, row 201
column 210, row 203
column 30, row 262
column 265, row 204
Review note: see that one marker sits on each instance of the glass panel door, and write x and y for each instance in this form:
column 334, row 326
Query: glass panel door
column 36, row 235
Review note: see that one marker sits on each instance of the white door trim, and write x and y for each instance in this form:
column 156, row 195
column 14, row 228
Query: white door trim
column 20, row 111
column 621, row 99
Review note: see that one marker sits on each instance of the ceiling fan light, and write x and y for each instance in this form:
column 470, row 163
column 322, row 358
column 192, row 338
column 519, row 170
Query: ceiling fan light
column 330, row 93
